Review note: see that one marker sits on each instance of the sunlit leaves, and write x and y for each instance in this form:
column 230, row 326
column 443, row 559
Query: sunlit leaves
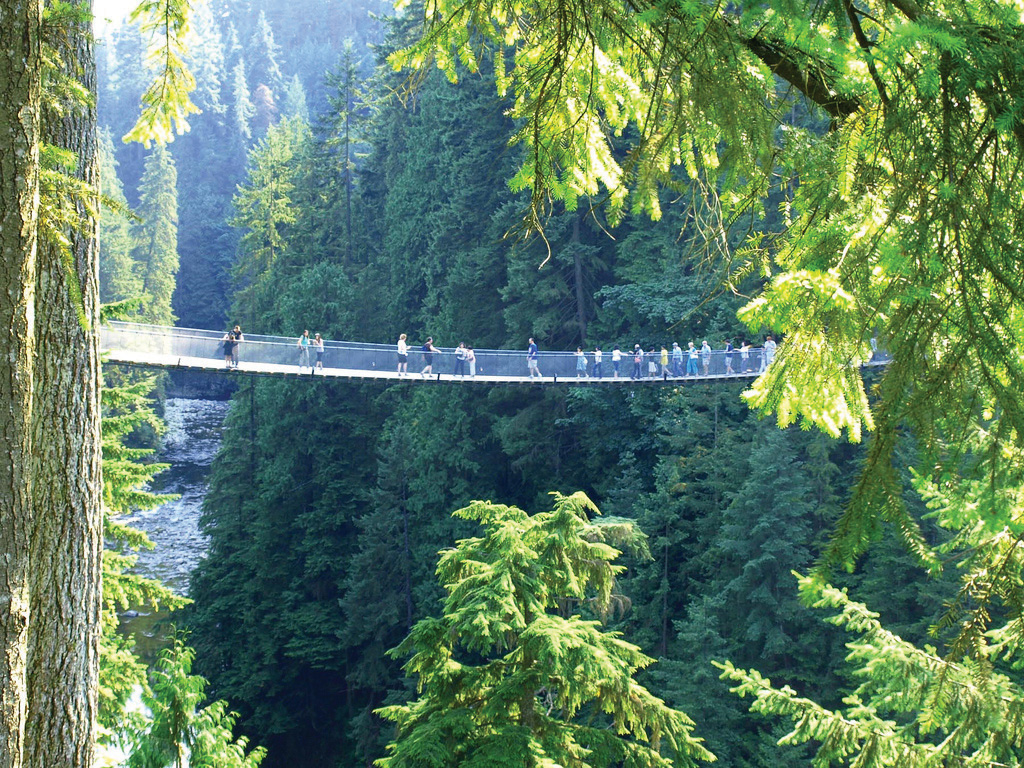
column 174, row 730
column 911, row 707
column 166, row 104
column 577, row 87
column 505, row 673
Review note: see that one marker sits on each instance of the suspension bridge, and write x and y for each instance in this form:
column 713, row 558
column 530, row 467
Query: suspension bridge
column 201, row 350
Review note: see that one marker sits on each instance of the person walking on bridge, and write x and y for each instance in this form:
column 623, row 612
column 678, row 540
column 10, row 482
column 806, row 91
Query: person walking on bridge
column 235, row 339
column 318, row 346
column 226, row 343
column 616, row 361
column 471, row 359
column 581, row 363
column 428, row 356
column 691, row 359
column 769, row 353
column 638, row 362
column 531, row 359
column 677, row 360
column 598, row 357
column 403, row 356
column 460, row 360
column 705, row 355
column 303, row 345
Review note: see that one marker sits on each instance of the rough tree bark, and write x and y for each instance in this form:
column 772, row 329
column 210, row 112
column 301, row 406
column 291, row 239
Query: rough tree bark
column 63, row 648
column 20, row 86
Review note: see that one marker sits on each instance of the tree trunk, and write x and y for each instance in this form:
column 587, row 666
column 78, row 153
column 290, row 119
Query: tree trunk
column 20, row 83
column 63, row 648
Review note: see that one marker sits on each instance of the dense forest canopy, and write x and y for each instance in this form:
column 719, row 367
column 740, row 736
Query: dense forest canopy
column 586, row 174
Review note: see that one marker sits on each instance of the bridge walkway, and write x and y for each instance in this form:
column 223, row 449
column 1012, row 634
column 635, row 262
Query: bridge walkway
column 202, row 350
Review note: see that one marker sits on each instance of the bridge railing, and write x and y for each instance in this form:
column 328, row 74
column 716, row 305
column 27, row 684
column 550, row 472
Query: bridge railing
column 188, row 345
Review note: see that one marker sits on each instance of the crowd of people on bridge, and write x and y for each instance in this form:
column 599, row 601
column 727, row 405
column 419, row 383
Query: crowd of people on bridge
column 652, row 363
column 658, row 361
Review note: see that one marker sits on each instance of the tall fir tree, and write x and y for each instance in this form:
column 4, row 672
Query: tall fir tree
column 155, row 238
column 118, row 279
column 511, row 673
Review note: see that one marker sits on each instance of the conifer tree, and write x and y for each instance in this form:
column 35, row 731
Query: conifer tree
column 118, row 279
column 765, row 534
column 911, row 706
column 263, row 209
column 242, row 109
column 295, row 101
column 177, row 732
column 262, row 59
column 126, row 472
column 205, row 59
column 343, row 119
column 156, row 237
column 511, row 674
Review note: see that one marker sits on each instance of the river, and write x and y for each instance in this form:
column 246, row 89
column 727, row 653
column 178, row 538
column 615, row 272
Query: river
column 189, row 445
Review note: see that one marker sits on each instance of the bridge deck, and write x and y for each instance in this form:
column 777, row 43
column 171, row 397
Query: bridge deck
column 192, row 349
column 178, row 362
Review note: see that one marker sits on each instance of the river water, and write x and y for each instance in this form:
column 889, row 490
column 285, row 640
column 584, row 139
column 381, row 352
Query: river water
column 189, row 445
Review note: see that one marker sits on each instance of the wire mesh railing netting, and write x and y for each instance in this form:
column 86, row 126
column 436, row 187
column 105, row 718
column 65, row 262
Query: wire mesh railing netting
column 254, row 351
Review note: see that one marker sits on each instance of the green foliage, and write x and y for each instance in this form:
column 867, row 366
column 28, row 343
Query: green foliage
column 166, row 104
column 155, row 237
column 118, row 280
column 264, row 208
column 900, row 217
column 125, row 475
column 911, row 706
column 509, row 674
column 176, row 731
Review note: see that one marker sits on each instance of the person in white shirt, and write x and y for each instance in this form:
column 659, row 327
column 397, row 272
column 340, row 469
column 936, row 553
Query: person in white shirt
column 616, row 360
column 598, row 357
column 403, row 356
column 769, row 353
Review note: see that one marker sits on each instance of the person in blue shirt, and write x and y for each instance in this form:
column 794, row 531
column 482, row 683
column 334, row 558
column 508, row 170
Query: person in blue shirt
column 677, row 359
column 531, row 359
column 691, row 359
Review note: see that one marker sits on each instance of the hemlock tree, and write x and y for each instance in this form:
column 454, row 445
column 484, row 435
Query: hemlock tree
column 156, row 238
column 911, row 707
column 175, row 731
column 118, row 281
column 901, row 201
column 20, row 88
column 264, row 209
column 50, row 518
column 510, row 675
column 901, row 196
